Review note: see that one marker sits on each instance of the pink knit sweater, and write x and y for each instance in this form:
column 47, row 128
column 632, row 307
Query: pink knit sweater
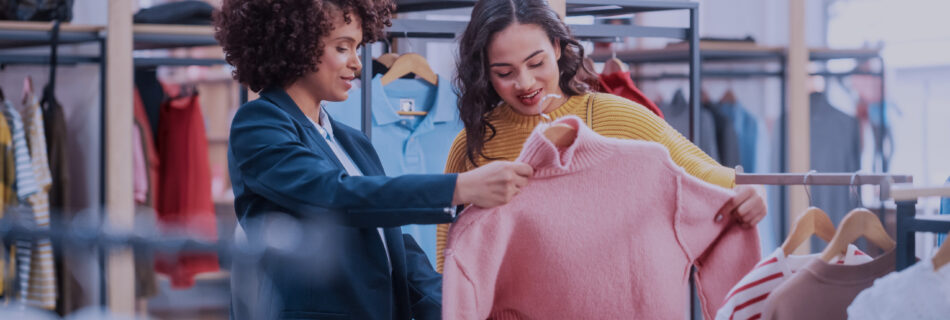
column 606, row 229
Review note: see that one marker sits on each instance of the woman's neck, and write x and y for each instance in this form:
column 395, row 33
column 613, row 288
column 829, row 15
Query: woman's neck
column 308, row 104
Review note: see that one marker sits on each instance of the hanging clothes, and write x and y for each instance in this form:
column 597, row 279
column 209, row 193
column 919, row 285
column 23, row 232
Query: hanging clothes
column 747, row 131
column 621, row 84
column 43, row 280
column 407, row 144
column 563, row 233
column 54, row 125
column 34, row 258
column 918, row 292
column 944, row 209
column 677, row 115
column 835, row 147
column 145, row 184
column 185, row 205
column 7, row 186
column 823, row 290
column 746, row 300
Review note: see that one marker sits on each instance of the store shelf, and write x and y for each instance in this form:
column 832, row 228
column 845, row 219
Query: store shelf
column 45, row 59
column 156, row 36
column 618, row 7
column 172, row 61
column 817, row 54
column 414, row 28
column 708, row 53
column 18, row 34
column 610, row 32
column 403, row 6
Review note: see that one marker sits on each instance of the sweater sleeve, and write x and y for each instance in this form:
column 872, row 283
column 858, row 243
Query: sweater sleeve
column 721, row 251
column 472, row 263
column 454, row 164
column 617, row 117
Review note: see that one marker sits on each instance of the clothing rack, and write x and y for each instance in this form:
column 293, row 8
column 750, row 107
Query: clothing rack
column 157, row 36
column 826, row 179
column 908, row 223
column 412, row 28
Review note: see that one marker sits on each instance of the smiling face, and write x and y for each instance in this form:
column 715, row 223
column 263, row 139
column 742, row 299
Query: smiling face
column 339, row 64
column 523, row 67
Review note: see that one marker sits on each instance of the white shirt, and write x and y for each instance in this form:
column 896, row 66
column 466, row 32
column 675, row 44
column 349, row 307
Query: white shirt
column 917, row 292
column 746, row 300
column 326, row 131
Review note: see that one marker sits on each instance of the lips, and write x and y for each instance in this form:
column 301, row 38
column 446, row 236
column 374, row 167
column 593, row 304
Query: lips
column 531, row 98
column 347, row 81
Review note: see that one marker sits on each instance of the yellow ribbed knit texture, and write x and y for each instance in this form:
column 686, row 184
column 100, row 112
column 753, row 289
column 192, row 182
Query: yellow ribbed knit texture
column 612, row 116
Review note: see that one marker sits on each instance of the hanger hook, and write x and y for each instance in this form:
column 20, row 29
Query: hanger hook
column 856, row 190
column 408, row 42
column 808, row 190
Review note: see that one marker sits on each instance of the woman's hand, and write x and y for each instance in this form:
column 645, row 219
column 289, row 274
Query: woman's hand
column 491, row 185
column 748, row 205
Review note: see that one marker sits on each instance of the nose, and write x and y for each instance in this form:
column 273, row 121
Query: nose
column 523, row 81
column 354, row 63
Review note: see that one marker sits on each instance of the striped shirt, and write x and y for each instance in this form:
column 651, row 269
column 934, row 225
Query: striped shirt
column 7, row 184
column 746, row 300
column 35, row 269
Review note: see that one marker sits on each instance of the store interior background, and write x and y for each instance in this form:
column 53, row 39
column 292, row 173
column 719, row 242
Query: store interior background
column 912, row 40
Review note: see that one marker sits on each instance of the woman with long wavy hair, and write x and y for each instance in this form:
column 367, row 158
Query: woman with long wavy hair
column 512, row 55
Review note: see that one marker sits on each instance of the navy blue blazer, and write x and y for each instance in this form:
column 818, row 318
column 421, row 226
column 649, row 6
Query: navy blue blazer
column 279, row 164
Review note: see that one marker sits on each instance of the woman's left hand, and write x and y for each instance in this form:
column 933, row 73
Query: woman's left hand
column 749, row 205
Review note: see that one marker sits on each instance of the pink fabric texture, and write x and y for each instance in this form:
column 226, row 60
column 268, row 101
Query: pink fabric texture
column 606, row 229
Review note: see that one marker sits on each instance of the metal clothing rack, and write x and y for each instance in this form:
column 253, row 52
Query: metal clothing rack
column 157, row 36
column 909, row 223
column 826, row 179
column 741, row 54
column 410, row 28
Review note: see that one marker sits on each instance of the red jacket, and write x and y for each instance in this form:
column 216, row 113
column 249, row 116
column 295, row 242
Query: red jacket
column 620, row 83
column 185, row 204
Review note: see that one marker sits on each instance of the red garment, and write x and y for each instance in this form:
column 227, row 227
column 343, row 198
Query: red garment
column 185, row 206
column 620, row 83
column 151, row 153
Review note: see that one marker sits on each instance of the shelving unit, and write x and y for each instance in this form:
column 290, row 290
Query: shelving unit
column 908, row 223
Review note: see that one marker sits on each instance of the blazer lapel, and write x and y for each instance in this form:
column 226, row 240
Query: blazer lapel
column 359, row 156
column 282, row 100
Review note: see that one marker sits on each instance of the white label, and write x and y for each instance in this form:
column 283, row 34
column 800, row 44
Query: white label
column 407, row 105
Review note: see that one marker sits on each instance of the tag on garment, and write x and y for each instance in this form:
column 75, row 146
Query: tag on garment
column 407, row 105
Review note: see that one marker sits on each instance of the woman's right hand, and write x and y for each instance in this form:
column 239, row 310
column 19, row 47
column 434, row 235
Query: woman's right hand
column 491, row 185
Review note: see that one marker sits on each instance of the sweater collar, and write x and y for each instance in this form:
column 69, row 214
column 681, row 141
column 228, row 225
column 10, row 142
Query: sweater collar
column 587, row 150
column 506, row 112
column 851, row 274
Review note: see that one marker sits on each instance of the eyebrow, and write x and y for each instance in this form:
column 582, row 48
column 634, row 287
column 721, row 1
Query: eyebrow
column 508, row 64
column 345, row 38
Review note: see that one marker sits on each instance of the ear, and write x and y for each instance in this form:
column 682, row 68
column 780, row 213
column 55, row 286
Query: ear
column 557, row 49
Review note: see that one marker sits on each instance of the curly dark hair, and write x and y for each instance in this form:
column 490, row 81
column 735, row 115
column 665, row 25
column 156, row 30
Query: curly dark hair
column 477, row 97
column 272, row 43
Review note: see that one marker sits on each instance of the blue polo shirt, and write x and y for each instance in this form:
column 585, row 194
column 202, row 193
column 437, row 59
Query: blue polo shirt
column 408, row 144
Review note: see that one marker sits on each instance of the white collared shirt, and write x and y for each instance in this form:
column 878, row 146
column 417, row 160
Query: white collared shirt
column 326, row 131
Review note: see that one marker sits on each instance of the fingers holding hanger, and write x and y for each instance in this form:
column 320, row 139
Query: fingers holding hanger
column 750, row 207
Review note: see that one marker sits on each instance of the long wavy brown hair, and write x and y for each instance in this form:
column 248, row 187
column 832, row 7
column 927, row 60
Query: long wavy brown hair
column 477, row 96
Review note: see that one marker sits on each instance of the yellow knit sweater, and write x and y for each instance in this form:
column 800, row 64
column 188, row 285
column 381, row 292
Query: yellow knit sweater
column 611, row 116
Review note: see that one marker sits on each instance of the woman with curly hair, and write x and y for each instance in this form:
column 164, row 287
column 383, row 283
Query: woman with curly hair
column 286, row 156
column 501, row 89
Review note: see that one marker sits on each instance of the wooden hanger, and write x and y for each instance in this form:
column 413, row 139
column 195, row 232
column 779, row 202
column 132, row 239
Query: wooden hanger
column 410, row 63
column 387, row 59
column 942, row 257
column 613, row 65
column 859, row 222
column 406, row 64
column 813, row 222
column 561, row 135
